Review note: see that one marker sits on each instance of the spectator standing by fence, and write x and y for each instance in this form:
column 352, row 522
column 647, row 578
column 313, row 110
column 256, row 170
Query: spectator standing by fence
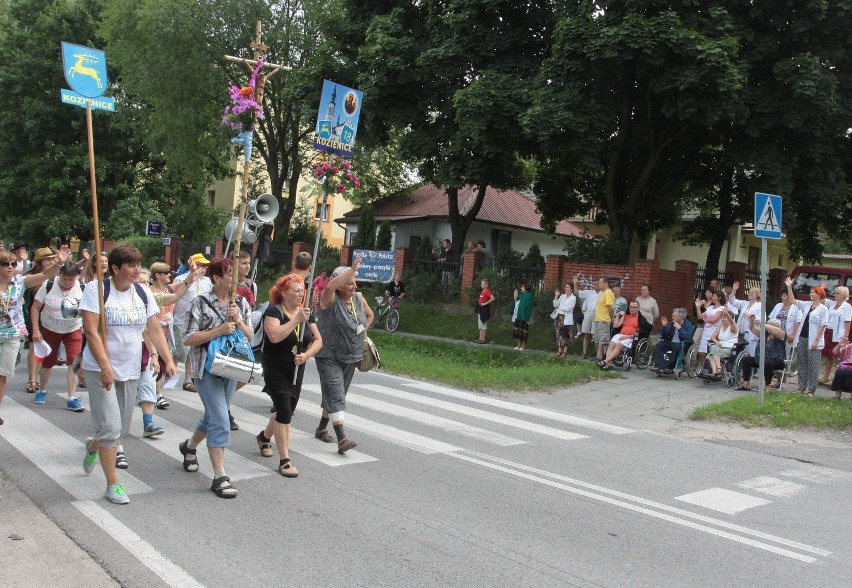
column 483, row 309
column 647, row 306
column 603, row 317
column 589, row 299
column 524, row 299
column 563, row 322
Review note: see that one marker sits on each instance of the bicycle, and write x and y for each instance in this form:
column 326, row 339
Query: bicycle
column 388, row 310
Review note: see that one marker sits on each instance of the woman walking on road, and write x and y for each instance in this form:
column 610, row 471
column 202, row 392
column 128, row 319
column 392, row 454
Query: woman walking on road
column 56, row 321
column 343, row 318
column 12, row 325
column 113, row 365
column 286, row 349
column 212, row 315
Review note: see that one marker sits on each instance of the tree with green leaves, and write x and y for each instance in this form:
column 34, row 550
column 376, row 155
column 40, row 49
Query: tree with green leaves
column 384, row 238
column 44, row 166
column 366, row 236
column 185, row 87
column 790, row 136
column 622, row 106
column 450, row 83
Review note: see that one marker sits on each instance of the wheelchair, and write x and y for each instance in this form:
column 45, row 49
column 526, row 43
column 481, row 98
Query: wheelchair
column 643, row 353
column 685, row 351
column 732, row 370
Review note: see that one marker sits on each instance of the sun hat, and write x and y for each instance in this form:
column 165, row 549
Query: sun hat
column 200, row 259
column 43, row 253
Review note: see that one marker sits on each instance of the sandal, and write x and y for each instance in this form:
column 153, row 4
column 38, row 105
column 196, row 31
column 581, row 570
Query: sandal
column 322, row 435
column 32, row 387
column 223, row 487
column 288, row 470
column 120, row 460
column 162, row 403
column 189, row 387
column 189, row 464
column 810, row 393
column 151, row 430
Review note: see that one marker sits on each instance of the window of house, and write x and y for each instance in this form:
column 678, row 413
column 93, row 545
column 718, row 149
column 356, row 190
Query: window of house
column 352, row 238
column 754, row 258
column 324, row 208
column 500, row 240
column 414, row 242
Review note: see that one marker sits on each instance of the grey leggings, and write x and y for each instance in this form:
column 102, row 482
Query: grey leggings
column 111, row 409
column 808, row 365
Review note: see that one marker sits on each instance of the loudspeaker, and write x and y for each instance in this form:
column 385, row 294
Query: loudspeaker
column 264, row 208
column 249, row 236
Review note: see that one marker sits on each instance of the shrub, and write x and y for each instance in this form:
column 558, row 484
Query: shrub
column 151, row 248
column 421, row 286
column 384, row 238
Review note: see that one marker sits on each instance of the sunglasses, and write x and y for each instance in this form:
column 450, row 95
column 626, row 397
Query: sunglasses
column 8, row 263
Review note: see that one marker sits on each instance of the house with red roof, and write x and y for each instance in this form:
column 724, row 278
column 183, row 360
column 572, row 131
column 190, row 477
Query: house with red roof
column 508, row 218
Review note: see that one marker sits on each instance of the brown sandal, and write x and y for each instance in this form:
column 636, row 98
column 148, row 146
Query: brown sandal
column 288, row 470
column 322, row 435
column 32, row 387
column 189, row 387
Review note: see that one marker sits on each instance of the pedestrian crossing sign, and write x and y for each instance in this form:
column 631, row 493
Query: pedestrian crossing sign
column 767, row 216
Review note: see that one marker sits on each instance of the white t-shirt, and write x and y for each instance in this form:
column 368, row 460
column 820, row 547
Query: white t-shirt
column 590, row 299
column 126, row 318
column 744, row 311
column 59, row 312
column 816, row 318
column 202, row 285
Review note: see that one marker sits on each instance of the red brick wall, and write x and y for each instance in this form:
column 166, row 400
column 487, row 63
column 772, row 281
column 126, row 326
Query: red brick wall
column 671, row 289
column 402, row 259
column 171, row 252
column 298, row 247
column 346, row 255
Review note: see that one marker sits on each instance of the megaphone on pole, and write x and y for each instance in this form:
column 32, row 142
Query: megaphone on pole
column 264, row 208
column 248, row 237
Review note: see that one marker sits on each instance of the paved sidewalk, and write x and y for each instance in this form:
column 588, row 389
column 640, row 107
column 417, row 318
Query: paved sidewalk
column 34, row 551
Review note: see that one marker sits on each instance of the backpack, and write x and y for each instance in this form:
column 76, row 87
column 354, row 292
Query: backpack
column 139, row 291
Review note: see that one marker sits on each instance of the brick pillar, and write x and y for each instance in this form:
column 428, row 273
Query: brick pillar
column 346, row 255
column 171, row 252
column 553, row 272
column 298, row 247
column 686, row 272
column 219, row 248
column 402, row 259
column 775, row 282
column 107, row 245
column 736, row 271
column 470, row 261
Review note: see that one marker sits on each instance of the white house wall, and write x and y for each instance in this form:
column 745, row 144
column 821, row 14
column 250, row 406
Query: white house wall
column 438, row 229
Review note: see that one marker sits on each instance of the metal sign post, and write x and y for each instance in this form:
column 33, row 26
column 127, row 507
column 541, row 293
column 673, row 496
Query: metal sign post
column 767, row 225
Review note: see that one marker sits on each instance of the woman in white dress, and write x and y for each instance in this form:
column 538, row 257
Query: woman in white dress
column 747, row 308
column 711, row 315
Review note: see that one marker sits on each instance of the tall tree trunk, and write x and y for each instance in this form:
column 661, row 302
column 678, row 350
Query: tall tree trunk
column 726, row 221
column 460, row 223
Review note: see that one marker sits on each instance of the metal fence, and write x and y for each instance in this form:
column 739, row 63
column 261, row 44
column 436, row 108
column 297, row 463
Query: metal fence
column 447, row 273
column 701, row 283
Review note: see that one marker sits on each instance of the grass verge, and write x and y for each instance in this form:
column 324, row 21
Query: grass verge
column 780, row 410
column 479, row 367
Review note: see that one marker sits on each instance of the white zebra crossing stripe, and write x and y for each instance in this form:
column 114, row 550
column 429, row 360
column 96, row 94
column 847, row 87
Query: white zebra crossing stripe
column 773, row 486
column 726, row 501
column 171, row 573
column 302, row 443
column 236, row 466
column 58, row 454
column 438, row 422
column 469, row 411
column 521, row 408
column 386, row 432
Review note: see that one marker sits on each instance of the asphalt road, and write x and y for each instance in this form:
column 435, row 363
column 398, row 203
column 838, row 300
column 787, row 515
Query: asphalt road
column 445, row 488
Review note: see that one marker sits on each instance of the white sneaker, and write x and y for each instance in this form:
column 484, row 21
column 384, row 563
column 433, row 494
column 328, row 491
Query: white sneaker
column 116, row 494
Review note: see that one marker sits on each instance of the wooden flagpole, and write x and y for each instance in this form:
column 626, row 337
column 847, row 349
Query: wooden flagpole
column 95, row 224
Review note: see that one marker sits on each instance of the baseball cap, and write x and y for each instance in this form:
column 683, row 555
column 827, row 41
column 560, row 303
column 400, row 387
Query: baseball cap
column 200, row 259
column 43, row 253
column 17, row 245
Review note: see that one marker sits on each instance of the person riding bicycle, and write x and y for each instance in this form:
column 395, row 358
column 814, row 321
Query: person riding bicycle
column 672, row 334
column 395, row 287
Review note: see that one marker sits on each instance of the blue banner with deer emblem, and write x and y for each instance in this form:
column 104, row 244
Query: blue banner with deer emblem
column 85, row 69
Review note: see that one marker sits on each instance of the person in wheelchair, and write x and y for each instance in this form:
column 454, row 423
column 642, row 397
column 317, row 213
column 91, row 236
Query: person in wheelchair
column 776, row 353
column 628, row 326
column 722, row 343
column 673, row 333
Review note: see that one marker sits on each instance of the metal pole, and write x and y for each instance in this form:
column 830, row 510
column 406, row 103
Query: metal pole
column 763, row 269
